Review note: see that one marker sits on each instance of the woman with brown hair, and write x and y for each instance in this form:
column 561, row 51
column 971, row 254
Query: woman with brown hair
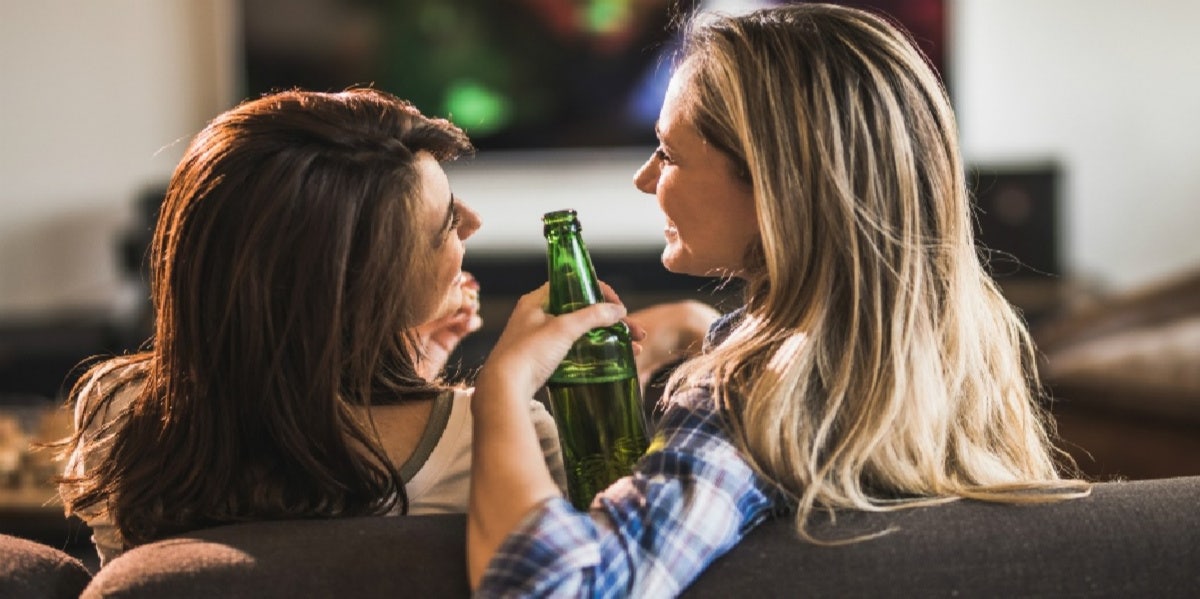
column 307, row 288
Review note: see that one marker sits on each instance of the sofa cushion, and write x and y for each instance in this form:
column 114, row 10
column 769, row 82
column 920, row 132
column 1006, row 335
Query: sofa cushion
column 35, row 571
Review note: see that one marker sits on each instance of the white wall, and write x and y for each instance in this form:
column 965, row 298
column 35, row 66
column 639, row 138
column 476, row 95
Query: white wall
column 1111, row 90
column 97, row 100
column 94, row 94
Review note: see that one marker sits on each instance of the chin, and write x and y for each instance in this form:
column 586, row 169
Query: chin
column 668, row 260
column 686, row 264
column 674, row 262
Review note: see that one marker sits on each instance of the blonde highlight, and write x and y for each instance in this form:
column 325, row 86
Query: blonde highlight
column 877, row 366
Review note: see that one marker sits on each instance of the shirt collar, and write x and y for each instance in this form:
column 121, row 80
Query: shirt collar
column 722, row 326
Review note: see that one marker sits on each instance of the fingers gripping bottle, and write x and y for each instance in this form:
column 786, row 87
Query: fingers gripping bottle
column 594, row 393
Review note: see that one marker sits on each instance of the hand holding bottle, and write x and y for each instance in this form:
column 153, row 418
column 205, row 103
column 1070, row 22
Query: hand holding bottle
column 534, row 342
column 508, row 474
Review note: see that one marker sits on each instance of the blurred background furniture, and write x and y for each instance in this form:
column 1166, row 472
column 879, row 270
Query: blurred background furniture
column 1124, row 376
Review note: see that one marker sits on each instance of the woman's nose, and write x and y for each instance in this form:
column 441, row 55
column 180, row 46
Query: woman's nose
column 471, row 221
column 646, row 177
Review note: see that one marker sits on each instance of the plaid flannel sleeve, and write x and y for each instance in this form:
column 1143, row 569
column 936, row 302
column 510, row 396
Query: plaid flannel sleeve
column 690, row 499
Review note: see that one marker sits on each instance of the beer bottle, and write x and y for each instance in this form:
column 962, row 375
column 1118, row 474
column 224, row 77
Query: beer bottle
column 593, row 394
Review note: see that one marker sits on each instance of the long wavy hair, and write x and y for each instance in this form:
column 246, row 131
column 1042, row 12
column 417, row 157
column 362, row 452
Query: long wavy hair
column 877, row 365
column 284, row 267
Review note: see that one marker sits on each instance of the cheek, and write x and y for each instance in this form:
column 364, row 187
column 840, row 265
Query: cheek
column 450, row 265
column 748, row 221
column 446, row 271
column 454, row 261
column 440, row 271
column 737, row 211
column 676, row 201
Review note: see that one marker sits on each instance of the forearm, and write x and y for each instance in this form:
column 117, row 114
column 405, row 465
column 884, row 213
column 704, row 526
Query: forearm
column 649, row 534
column 509, row 477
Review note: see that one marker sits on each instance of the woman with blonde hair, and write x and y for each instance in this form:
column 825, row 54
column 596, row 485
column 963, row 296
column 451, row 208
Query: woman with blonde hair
column 811, row 152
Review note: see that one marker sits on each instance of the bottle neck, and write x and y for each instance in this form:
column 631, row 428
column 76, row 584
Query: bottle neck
column 573, row 283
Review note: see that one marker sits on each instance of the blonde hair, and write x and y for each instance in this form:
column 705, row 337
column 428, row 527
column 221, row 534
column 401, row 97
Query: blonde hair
column 877, row 365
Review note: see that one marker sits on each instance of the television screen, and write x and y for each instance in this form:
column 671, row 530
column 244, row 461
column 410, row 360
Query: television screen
column 515, row 74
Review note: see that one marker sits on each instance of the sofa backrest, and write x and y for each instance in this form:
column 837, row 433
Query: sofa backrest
column 31, row 570
column 415, row 556
column 1126, row 539
column 1129, row 539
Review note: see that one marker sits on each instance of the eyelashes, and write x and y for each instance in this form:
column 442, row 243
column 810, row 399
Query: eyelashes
column 455, row 215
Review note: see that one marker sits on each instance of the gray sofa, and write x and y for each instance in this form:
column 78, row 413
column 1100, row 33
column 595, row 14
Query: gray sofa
column 31, row 570
column 1129, row 539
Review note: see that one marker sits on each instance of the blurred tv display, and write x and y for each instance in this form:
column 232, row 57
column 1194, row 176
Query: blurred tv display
column 515, row 74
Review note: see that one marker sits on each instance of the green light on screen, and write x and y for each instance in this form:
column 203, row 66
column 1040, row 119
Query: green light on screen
column 477, row 108
column 606, row 15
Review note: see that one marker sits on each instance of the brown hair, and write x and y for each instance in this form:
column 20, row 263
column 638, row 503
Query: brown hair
column 282, row 266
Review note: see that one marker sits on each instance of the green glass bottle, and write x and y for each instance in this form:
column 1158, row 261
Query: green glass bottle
column 594, row 394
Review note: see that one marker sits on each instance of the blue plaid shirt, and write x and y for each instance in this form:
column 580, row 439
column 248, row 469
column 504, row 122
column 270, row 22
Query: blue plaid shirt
column 690, row 499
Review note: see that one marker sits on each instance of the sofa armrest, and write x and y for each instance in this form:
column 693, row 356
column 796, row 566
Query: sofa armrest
column 31, row 570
